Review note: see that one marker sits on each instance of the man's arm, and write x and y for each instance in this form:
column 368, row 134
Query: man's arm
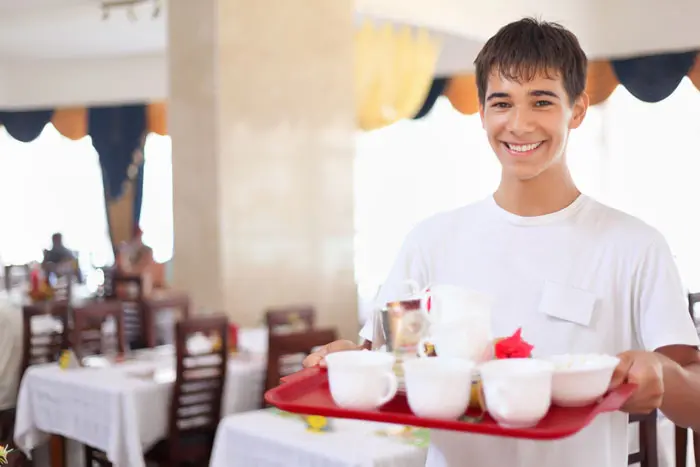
column 681, row 378
column 668, row 373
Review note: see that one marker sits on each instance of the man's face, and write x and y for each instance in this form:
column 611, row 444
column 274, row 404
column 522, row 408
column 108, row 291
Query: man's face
column 528, row 123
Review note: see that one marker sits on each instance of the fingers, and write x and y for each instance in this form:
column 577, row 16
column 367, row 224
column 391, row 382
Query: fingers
column 316, row 358
column 646, row 374
column 621, row 371
column 311, row 360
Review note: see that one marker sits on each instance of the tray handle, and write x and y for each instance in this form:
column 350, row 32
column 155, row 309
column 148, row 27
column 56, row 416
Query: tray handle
column 616, row 398
column 302, row 374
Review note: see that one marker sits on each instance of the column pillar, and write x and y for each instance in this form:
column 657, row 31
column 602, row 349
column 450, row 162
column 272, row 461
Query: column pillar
column 262, row 117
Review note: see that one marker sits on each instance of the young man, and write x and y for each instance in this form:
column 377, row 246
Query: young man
column 576, row 275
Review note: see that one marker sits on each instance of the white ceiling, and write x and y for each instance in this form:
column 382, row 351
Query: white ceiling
column 38, row 30
column 33, row 30
column 606, row 28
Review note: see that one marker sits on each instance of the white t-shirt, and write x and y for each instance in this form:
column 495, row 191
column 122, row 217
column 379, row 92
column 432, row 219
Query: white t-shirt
column 587, row 278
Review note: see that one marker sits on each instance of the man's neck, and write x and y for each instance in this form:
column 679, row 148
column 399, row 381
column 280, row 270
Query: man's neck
column 549, row 192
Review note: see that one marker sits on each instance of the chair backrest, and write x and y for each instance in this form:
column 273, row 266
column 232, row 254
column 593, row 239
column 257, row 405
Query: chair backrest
column 9, row 276
column 195, row 408
column 44, row 346
column 117, row 282
column 129, row 289
column 298, row 318
column 681, row 433
column 297, row 343
column 693, row 299
column 160, row 300
column 648, row 455
column 88, row 336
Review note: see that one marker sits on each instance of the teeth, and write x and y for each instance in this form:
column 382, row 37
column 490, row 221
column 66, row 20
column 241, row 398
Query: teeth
column 523, row 147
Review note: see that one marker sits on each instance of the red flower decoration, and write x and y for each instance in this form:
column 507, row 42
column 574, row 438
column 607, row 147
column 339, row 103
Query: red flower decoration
column 513, row 347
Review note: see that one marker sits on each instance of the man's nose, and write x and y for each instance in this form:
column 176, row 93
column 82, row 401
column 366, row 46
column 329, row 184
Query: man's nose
column 520, row 122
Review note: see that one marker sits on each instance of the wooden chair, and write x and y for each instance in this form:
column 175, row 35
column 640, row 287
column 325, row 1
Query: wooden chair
column 94, row 456
column 37, row 348
column 7, row 430
column 44, row 347
column 299, row 318
column 195, row 408
column 283, row 345
column 159, row 301
column 648, row 455
column 87, row 334
column 9, row 283
column 134, row 319
column 681, row 434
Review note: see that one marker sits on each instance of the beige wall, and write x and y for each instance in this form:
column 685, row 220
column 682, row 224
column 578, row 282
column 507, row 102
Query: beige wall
column 262, row 120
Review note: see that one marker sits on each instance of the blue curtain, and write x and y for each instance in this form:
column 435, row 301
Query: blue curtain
column 650, row 78
column 118, row 134
column 653, row 78
column 25, row 126
column 436, row 89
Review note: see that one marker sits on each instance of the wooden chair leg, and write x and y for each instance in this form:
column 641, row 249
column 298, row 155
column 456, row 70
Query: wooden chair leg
column 87, row 453
column 681, row 442
column 647, row 436
column 57, row 449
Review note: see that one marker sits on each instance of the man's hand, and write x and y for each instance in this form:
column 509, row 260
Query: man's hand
column 645, row 369
column 316, row 358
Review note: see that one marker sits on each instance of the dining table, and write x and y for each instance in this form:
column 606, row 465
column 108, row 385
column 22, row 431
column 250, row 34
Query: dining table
column 121, row 406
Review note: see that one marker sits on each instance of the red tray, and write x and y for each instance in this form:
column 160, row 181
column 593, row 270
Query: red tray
column 306, row 392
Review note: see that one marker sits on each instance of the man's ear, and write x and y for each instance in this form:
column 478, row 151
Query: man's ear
column 579, row 110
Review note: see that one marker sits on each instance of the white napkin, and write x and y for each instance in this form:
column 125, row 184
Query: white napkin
column 46, row 324
column 199, row 344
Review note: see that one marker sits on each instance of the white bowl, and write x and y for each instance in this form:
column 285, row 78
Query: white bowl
column 581, row 379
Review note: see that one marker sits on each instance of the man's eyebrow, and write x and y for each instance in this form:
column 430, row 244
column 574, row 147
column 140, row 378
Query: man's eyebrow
column 534, row 93
column 542, row 92
column 497, row 95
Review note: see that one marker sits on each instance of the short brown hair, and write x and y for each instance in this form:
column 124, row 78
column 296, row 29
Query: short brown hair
column 524, row 48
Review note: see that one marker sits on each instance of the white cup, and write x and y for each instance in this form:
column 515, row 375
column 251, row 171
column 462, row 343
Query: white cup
column 518, row 391
column 446, row 303
column 468, row 339
column 361, row 379
column 438, row 387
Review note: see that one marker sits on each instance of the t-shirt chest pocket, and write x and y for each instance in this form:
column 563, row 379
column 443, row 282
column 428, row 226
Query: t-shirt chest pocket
column 567, row 321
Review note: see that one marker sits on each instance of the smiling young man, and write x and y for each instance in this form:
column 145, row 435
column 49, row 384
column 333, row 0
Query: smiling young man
column 576, row 275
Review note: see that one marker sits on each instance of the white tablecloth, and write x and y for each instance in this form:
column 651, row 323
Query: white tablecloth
column 263, row 438
column 114, row 409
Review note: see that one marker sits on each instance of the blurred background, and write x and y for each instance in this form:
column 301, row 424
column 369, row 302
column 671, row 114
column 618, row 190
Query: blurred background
column 272, row 153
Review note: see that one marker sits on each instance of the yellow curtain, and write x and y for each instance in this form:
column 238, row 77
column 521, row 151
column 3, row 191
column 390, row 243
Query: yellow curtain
column 157, row 118
column 601, row 81
column 694, row 73
column 461, row 91
column 394, row 69
column 71, row 122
